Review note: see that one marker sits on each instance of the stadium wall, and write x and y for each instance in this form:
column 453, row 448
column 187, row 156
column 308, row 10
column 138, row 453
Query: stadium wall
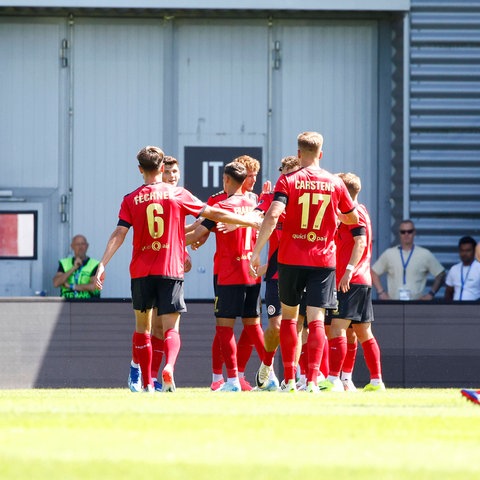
column 53, row 343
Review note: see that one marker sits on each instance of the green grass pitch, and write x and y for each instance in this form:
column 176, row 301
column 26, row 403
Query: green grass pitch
column 197, row 434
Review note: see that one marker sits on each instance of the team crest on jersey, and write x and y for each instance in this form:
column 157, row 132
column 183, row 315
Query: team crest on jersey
column 271, row 309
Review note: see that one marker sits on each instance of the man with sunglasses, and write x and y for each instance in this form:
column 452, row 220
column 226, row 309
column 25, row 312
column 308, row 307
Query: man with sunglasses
column 407, row 267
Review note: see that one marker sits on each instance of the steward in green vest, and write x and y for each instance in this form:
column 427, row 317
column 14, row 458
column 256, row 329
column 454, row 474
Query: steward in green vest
column 75, row 274
column 81, row 276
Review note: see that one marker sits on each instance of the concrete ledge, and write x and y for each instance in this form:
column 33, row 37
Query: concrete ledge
column 53, row 343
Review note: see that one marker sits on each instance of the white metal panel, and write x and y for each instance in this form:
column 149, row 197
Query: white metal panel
column 327, row 82
column 29, row 99
column 222, row 101
column 118, row 108
column 367, row 5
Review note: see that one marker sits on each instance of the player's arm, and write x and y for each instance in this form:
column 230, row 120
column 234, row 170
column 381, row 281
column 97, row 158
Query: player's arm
column 360, row 243
column 114, row 243
column 192, row 226
column 218, row 215
column 350, row 218
column 268, row 226
column 198, row 237
column 228, row 227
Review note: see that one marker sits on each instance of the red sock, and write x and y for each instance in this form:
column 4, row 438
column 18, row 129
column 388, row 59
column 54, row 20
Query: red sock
column 325, row 364
column 315, row 344
column 337, row 351
column 229, row 349
column 255, row 333
column 303, row 360
column 349, row 361
column 268, row 357
column 171, row 346
column 288, row 346
column 244, row 350
column 143, row 352
column 157, row 354
column 134, row 353
column 217, row 357
column 371, row 351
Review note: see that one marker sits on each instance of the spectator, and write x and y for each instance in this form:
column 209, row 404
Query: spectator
column 463, row 279
column 76, row 275
column 407, row 267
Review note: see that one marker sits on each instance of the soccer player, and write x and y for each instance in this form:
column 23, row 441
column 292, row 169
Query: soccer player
column 170, row 175
column 156, row 211
column 310, row 198
column 265, row 378
column 354, row 295
column 237, row 294
column 472, row 395
column 245, row 344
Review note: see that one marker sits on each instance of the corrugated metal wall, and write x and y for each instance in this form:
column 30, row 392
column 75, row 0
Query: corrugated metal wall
column 445, row 123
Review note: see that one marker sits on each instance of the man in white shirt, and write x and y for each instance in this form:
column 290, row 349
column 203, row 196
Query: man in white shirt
column 463, row 279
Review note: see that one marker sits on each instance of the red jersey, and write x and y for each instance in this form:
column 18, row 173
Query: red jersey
column 345, row 241
column 234, row 249
column 157, row 214
column 312, row 197
column 212, row 200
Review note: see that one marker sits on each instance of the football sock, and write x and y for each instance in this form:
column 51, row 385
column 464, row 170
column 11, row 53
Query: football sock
column 217, row 357
column 216, row 377
column 157, row 354
column 255, row 333
column 229, row 349
column 268, row 357
column 350, row 357
column 134, row 353
column 371, row 352
column 325, row 363
column 143, row 348
column 244, row 350
column 315, row 343
column 303, row 360
column 171, row 346
column 288, row 346
column 337, row 352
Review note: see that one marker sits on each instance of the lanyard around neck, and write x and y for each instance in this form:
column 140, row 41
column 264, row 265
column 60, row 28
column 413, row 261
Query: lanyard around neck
column 405, row 263
column 464, row 280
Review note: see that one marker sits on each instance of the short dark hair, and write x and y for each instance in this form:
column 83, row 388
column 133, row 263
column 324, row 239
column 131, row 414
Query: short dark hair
column 467, row 240
column 150, row 158
column 236, row 170
column 168, row 160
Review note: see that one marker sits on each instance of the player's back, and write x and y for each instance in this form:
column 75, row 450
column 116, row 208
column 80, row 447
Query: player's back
column 157, row 214
column 234, row 249
column 310, row 221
